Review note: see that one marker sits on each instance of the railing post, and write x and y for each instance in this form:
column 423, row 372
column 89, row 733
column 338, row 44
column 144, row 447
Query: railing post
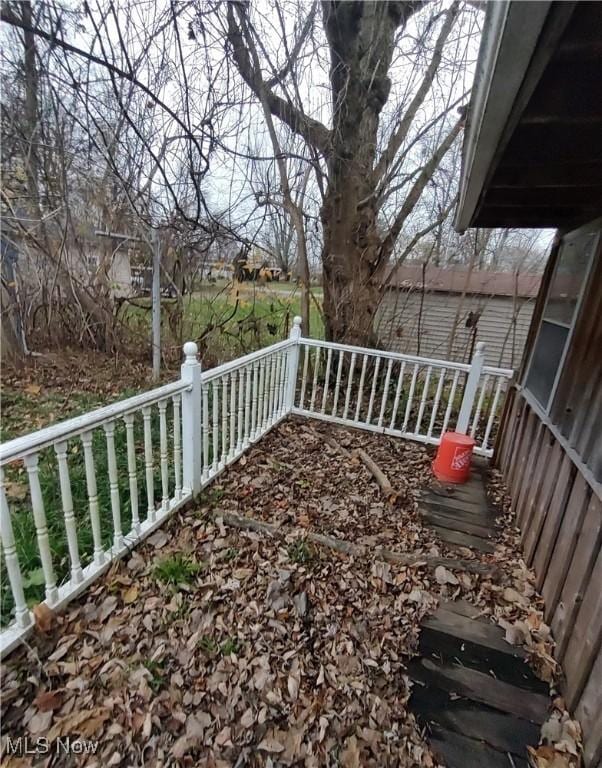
column 292, row 364
column 470, row 390
column 192, row 399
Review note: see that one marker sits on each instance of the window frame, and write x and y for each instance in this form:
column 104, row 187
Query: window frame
column 593, row 227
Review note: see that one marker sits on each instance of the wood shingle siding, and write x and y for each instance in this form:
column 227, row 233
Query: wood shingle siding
column 559, row 511
column 503, row 325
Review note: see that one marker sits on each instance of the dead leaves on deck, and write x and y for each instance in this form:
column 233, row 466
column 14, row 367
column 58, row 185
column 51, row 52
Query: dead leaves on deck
column 263, row 651
column 270, row 655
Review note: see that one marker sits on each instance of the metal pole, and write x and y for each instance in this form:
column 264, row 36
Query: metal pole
column 156, row 307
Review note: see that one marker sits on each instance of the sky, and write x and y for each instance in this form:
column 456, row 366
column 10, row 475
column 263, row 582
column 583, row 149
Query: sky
column 191, row 75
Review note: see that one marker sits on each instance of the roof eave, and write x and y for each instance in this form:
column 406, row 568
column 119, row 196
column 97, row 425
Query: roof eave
column 510, row 36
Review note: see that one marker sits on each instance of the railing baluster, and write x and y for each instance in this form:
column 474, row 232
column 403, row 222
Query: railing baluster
column 233, row 413
column 224, row 455
column 281, row 386
column 260, row 397
column 148, row 464
column 67, row 504
column 266, row 394
column 255, row 400
column 406, row 417
column 337, row 386
column 397, row 394
column 248, row 405
column 304, row 378
column 436, row 403
column 360, row 391
column 314, row 387
column 99, row 555
column 11, row 560
column 491, row 418
column 177, row 446
column 425, row 392
column 215, row 414
column 277, row 387
column 373, row 390
column 326, row 380
column 39, row 515
column 450, row 401
column 241, row 407
column 385, row 394
column 109, row 429
column 162, row 404
column 132, row 471
column 206, row 464
column 477, row 414
column 349, row 385
column 272, row 392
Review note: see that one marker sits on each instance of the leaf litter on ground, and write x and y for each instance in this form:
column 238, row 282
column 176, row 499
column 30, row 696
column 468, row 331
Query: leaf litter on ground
column 275, row 651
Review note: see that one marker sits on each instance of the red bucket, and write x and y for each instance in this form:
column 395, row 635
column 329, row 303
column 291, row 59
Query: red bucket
column 452, row 463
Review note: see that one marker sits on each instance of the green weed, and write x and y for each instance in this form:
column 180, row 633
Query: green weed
column 177, row 569
column 301, row 552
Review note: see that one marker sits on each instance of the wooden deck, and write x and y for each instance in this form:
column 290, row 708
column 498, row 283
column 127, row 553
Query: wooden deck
column 474, row 694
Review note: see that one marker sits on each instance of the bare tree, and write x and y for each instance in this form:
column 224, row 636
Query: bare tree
column 364, row 169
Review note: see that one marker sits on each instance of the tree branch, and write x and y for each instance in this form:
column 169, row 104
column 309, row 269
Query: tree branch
column 418, row 187
column 312, row 131
column 400, row 134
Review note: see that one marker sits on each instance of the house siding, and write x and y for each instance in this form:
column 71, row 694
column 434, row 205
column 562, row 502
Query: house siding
column 552, row 465
column 398, row 324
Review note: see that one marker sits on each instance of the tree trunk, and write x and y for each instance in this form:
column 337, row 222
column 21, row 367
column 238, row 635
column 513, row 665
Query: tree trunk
column 353, row 258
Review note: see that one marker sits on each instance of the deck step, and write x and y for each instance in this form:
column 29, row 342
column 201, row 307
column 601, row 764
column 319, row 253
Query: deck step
column 451, row 637
column 458, row 751
column 499, row 730
column 481, row 688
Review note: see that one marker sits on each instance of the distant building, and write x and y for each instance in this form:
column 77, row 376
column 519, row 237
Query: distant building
column 444, row 312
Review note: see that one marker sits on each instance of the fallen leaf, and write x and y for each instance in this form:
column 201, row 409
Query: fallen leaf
column 16, row 491
column 130, row 595
column 48, row 700
column 350, row 756
column 45, row 617
column 443, row 576
column 270, row 744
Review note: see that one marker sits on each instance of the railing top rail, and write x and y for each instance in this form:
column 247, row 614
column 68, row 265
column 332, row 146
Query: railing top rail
column 493, row 371
column 450, row 364
column 241, row 362
column 64, row 430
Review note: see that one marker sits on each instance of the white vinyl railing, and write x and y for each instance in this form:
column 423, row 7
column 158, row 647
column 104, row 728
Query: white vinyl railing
column 417, row 398
column 89, row 489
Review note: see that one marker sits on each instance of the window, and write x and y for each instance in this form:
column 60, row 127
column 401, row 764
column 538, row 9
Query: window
column 559, row 315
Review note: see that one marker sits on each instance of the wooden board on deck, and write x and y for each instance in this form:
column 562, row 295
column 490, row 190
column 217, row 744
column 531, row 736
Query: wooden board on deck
column 458, row 751
column 481, row 688
column 461, row 539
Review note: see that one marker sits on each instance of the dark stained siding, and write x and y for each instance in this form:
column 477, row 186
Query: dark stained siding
column 552, row 465
column 558, row 508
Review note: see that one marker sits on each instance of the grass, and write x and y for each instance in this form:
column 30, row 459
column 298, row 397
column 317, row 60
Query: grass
column 230, row 646
column 301, row 552
column 177, row 569
column 157, row 677
column 229, row 324
column 229, row 320
column 18, row 497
